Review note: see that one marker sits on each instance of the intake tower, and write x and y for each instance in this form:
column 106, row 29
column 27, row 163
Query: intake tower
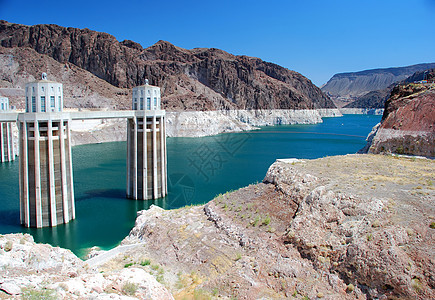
column 46, row 179
column 146, row 145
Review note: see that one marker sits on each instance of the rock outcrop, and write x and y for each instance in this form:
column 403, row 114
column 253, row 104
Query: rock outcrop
column 375, row 240
column 38, row 271
column 408, row 123
column 197, row 79
column 328, row 228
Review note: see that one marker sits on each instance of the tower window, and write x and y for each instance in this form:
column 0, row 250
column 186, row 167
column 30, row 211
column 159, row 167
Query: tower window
column 33, row 104
column 148, row 103
column 43, row 103
column 141, row 103
column 52, row 102
column 155, row 102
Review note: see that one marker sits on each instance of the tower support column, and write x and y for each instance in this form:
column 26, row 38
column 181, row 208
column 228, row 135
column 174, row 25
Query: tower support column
column 146, row 156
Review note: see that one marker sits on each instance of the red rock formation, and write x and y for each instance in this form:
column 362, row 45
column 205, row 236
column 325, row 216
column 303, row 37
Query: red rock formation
column 408, row 123
column 410, row 108
column 199, row 79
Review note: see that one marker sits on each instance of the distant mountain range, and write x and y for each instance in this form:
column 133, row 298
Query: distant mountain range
column 377, row 98
column 101, row 72
column 356, row 84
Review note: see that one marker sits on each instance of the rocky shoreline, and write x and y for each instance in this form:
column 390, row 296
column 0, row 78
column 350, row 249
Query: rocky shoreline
column 200, row 123
column 361, row 111
column 344, row 227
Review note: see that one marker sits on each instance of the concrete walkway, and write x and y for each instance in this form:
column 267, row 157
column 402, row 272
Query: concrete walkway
column 108, row 255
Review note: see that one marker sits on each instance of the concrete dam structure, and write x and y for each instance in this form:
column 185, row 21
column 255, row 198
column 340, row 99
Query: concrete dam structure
column 46, row 167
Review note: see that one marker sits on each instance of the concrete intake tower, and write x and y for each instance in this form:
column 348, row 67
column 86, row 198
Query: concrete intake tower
column 46, row 177
column 146, row 146
column 46, row 173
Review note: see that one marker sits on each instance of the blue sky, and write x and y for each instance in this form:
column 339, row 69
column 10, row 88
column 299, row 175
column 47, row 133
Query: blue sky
column 317, row 38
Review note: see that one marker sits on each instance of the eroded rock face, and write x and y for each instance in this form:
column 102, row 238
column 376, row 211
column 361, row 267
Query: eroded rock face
column 408, row 123
column 197, row 79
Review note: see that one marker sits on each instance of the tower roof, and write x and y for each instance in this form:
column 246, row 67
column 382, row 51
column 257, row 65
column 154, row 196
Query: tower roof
column 44, row 79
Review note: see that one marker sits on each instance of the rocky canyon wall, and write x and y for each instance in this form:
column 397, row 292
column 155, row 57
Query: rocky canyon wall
column 197, row 79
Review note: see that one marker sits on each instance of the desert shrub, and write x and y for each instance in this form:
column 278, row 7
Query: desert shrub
column 129, row 288
column 38, row 294
column 416, row 284
column 400, row 150
column 266, row 220
column 146, row 262
column 257, row 219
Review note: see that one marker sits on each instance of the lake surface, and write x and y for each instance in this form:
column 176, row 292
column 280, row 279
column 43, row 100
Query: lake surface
column 198, row 170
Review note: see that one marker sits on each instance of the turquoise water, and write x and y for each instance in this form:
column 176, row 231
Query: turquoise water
column 198, row 168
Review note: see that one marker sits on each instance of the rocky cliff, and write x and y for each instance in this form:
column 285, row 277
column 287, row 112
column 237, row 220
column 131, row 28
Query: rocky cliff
column 408, row 122
column 356, row 84
column 197, row 79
